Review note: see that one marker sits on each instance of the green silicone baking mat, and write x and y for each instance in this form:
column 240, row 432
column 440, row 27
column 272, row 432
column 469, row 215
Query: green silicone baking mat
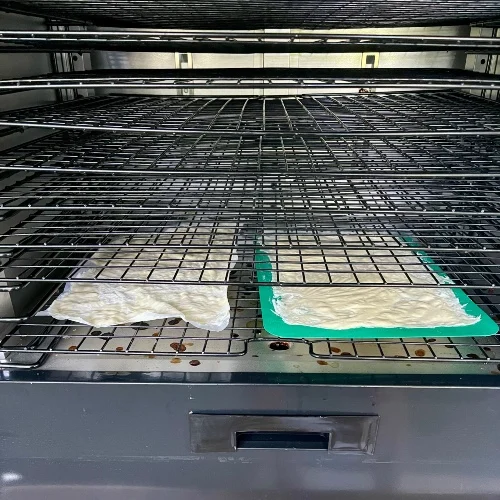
column 275, row 325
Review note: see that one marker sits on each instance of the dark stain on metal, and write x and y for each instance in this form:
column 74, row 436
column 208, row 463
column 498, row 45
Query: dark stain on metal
column 141, row 325
column 471, row 355
column 279, row 346
column 176, row 346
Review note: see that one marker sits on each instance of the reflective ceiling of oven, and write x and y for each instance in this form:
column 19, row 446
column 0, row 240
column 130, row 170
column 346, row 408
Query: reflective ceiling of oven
column 257, row 14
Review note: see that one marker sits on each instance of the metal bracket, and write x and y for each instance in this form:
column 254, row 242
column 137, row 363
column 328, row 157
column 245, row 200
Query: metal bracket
column 369, row 60
column 184, row 60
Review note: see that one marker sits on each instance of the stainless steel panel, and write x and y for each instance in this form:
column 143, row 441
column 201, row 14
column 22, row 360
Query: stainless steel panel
column 161, row 60
column 23, row 65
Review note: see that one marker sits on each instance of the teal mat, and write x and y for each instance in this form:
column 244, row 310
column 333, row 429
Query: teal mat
column 275, row 325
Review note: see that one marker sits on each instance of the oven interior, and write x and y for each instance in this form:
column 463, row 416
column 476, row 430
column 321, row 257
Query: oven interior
column 139, row 119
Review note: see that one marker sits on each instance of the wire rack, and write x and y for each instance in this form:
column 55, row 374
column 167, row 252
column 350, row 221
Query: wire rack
column 75, row 194
column 136, row 223
column 267, row 193
column 244, row 15
column 276, row 78
column 34, row 336
column 342, row 115
column 221, row 156
column 70, row 195
column 235, row 42
column 165, row 337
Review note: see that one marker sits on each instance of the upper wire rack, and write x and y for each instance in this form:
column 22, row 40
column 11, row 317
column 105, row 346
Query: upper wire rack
column 221, row 156
column 275, row 78
column 236, row 42
column 246, row 14
column 185, row 231
column 342, row 115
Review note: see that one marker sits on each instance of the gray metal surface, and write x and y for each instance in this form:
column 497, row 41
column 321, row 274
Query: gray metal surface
column 24, row 65
column 262, row 361
column 113, row 440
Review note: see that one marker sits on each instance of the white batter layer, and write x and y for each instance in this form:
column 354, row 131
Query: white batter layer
column 341, row 308
column 108, row 304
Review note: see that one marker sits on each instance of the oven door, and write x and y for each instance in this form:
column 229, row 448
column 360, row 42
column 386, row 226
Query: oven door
column 240, row 441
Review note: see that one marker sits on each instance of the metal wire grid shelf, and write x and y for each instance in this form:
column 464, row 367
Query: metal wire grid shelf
column 61, row 234
column 77, row 197
column 38, row 336
column 342, row 115
column 237, row 42
column 244, row 14
column 269, row 193
column 375, row 247
column 276, row 78
column 221, row 156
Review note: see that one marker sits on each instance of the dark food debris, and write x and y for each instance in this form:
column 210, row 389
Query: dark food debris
column 176, row 346
column 279, row 346
column 141, row 325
